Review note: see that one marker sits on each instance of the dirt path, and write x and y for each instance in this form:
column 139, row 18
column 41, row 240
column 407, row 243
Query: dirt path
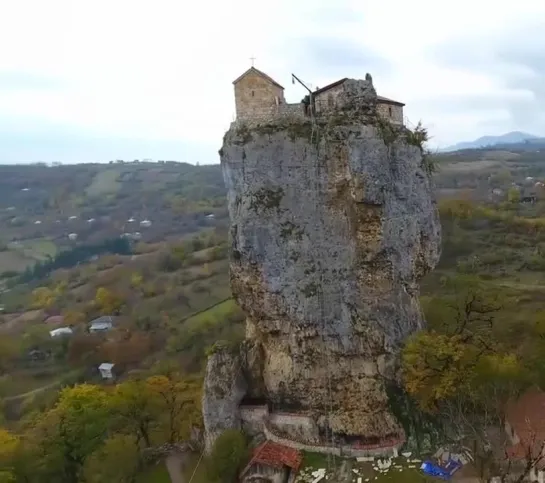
column 30, row 393
column 174, row 463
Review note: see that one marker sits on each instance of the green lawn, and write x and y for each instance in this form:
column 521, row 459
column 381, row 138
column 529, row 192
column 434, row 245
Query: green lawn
column 155, row 474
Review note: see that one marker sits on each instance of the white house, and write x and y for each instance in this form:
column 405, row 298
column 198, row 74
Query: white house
column 61, row 331
column 73, row 236
column 106, row 370
column 101, row 324
column 145, row 223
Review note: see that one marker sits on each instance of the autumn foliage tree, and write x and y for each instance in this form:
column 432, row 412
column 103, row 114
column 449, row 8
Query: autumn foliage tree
column 43, row 298
column 180, row 402
column 9, row 444
column 459, row 372
column 100, row 435
column 107, row 301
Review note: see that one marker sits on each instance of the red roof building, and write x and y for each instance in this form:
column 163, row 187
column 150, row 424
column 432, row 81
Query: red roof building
column 274, row 456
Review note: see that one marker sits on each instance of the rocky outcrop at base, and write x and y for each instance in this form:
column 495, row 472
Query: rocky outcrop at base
column 224, row 388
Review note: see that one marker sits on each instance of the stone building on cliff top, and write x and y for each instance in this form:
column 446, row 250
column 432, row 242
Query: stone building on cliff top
column 333, row 225
column 258, row 96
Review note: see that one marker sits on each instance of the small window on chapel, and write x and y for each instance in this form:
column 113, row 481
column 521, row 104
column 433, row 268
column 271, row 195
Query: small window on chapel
column 390, row 111
column 253, row 93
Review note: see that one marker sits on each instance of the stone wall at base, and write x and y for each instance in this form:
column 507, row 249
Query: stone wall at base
column 385, row 448
column 301, row 446
column 296, row 426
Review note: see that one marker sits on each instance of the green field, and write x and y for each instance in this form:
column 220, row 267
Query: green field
column 104, row 182
column 23, row 254
column 39, row 249
column 12, row 260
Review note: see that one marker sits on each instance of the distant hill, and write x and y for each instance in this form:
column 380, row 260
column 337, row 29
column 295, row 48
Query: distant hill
column 488, row 141
column 44, row 209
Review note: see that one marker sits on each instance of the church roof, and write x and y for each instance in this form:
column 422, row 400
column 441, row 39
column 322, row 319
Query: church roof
column 253, row 70
column 380, row 99
column 385, row 100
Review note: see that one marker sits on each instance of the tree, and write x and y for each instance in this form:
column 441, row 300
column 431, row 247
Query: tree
column 63, row 437
column 136, row 279
column 118, row 459
column 107, row 301
column 73, row 317
column 456, row 209
column 179, row 401
column 83, row 349
column 513, row 195
column 169, row 263
column 127, row 350
column 180, row 252
column 9, row 444
column 43, row 298
column 467, row 309
column 501, row 178
column 138, row 409
column 229, row 453
column 435, row 367
column 36, row 336
column 9, row 350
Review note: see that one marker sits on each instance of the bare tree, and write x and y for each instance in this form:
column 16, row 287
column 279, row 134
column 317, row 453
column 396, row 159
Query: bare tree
column 532, row 456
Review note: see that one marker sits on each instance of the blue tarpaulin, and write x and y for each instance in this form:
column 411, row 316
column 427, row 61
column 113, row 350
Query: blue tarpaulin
column 443, row 472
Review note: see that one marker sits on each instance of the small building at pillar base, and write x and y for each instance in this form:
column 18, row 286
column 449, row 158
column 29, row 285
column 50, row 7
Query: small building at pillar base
column 272, row 463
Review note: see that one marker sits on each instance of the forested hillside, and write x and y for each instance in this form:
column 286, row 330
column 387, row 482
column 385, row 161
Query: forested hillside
column 168, row 293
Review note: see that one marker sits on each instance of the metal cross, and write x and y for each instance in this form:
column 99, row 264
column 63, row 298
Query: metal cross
column 252, row 59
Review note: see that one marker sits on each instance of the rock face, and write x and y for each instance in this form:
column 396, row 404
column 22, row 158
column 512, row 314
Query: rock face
column 224, row 388
column 333, row 224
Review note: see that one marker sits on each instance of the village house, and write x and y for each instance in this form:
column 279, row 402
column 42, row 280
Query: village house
column 101, row 324
column 272, row 463
column 259, row 96
column 525, row 428
column 61, row 331
column 106, row 370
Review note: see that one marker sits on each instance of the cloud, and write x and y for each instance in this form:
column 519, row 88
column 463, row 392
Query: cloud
column 334, row 58
column 157, row 76
column 16, row 80
column 513, row 59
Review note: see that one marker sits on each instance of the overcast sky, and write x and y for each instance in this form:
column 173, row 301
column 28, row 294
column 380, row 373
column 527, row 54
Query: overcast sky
column 94, row 80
